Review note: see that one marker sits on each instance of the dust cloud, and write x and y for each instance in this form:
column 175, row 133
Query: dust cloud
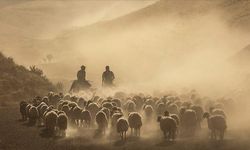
column 156, row 52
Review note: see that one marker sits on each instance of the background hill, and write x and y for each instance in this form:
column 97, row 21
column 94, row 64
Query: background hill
column 167, row 38
column 18, row 83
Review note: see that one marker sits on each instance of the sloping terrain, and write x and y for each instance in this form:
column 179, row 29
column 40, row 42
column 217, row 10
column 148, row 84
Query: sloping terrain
column 18, row 83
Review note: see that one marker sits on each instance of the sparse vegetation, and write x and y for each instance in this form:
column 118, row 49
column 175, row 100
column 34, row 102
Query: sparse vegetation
column 18, row 83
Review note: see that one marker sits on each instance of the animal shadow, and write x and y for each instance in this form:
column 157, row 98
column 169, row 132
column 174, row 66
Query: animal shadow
column 46, row 134
column 119, row 143
column 29, row 124
column 98, row 134
column 165, row 143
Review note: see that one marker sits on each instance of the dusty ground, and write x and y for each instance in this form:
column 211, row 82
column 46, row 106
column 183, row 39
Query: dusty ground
column 15, row 134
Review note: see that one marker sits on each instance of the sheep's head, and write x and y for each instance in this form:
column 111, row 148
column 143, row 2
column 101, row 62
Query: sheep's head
column 206, row 115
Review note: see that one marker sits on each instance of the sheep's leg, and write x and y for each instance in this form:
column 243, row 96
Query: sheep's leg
column 125, row 134
column 131, row 131
column 213, row 134
column 222, row 135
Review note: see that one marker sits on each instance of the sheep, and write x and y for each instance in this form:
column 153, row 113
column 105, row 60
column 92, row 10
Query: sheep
column 139, row 101
column 72, row 104
column 115, row 109
column 168, row 126
column 135, row 123
column 122, row 127
column 107, row 105
column 86, row 117
column 33, row 115
column 106, row 111
column 176, row 118
column 217, row 111
column 160, row 108
column 217, row 124
column 150, row 102
column 199, row 112
column 173, row 109
column 62, row 124
column 41, row 111
column 23, row 106
column 102, row 121
column 51, row 122
column 189, row 122
column 66, row 97
column 114, row 119
column 66, row 109
column 45, row 100
column 148, row 111
column 76, row 115
column 82, row 102
column 93, row 109
column 130, row 106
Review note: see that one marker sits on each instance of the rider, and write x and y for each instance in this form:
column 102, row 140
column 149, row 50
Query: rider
column 107, row 77
column 81, row 74
column 81, row 81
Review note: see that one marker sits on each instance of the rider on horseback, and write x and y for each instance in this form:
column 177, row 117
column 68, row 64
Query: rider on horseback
column 81, row 83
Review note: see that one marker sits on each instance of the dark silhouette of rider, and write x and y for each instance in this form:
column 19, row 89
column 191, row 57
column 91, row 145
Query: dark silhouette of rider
column 107, row 77
column 81, row 83
column 81, row 74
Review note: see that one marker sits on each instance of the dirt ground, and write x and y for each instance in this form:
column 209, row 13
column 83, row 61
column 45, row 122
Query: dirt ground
column 17, row 135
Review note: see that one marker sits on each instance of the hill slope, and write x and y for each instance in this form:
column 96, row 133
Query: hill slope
column 18, row 83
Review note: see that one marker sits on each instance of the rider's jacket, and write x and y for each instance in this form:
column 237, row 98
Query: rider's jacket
column 81, row 74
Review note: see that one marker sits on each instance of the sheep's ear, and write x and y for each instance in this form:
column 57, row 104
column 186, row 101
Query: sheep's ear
column 159, row 118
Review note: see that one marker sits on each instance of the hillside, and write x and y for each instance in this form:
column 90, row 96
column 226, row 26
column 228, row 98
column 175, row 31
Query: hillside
column 18, row 83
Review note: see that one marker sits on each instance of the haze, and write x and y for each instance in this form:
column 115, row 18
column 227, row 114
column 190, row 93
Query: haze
column 148, row 44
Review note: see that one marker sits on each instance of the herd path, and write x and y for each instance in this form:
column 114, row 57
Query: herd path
column 16, row 135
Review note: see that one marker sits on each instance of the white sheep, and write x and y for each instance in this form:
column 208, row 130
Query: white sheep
column 102, row 121
column 217, row 124
column 148, row 112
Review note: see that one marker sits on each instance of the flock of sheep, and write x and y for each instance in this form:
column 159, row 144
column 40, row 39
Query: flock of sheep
column 176, row 115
